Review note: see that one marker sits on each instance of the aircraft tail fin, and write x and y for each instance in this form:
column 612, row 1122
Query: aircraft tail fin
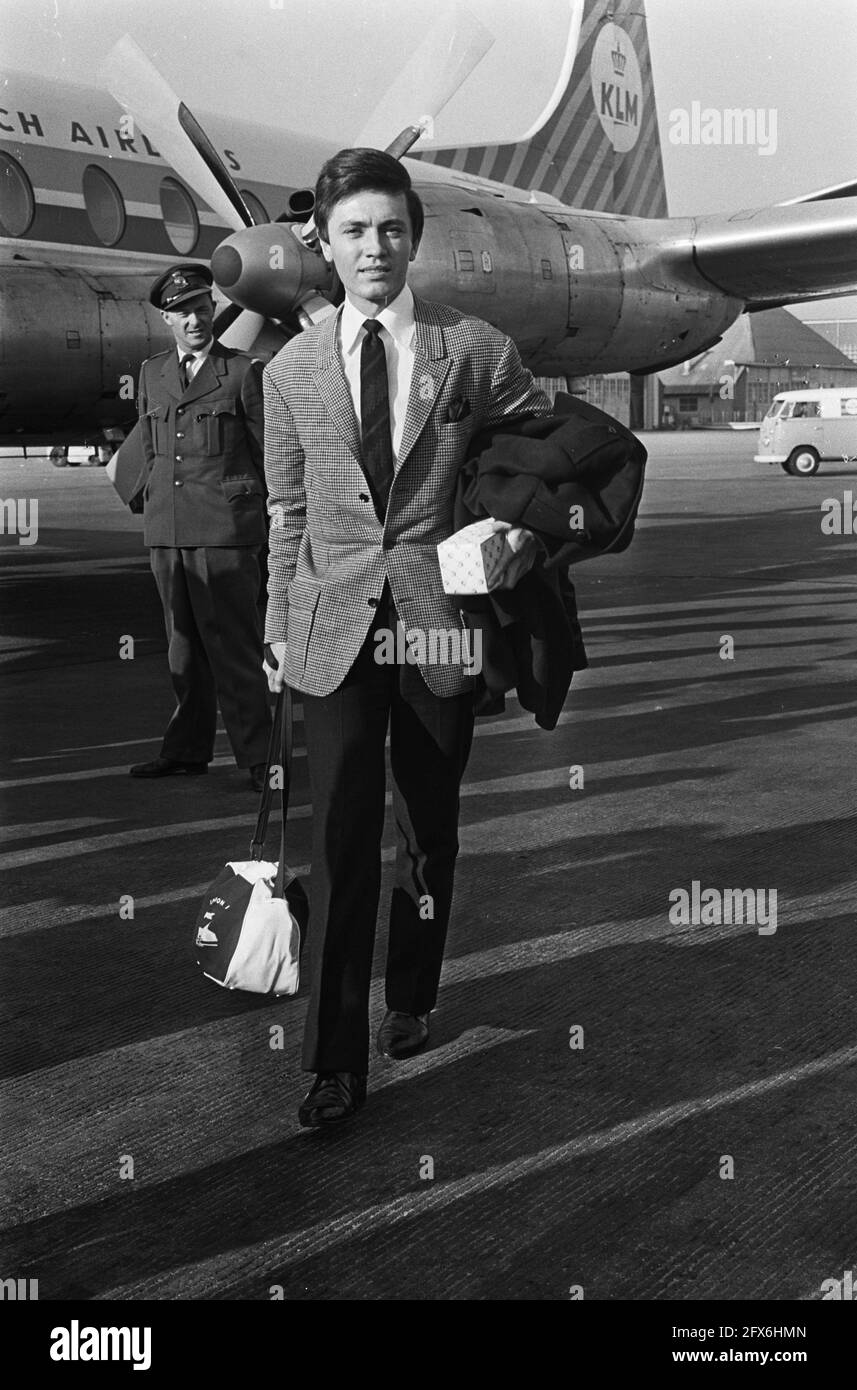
column 600, row 149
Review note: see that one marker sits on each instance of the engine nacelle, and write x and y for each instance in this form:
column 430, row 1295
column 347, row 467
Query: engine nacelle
column 579, row 292
column 72, row 349
column 268, row 269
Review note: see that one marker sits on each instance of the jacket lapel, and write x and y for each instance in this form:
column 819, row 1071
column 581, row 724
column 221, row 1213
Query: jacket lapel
column 170, row 378
column 212, row 369
column 333, row 388
column 207, row 378
column 431, row 365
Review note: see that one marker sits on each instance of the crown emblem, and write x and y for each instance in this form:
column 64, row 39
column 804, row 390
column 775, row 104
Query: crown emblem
column 619, row 59
column 179, row 281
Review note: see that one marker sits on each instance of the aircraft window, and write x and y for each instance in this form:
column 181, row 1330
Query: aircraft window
column 104, row 206
column 17, row 205
column 256, row 208
column 180, row 218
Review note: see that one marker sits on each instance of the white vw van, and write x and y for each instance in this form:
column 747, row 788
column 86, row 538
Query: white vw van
column 803, row 427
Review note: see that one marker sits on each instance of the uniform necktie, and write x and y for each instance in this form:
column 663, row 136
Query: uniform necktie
column 185, row 370
column 375, row 415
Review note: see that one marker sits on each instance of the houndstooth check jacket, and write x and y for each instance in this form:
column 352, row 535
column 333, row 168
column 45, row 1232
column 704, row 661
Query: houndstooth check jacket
column 329, row 553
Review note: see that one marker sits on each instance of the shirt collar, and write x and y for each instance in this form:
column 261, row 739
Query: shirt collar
column 397, row 318
column 200, row 355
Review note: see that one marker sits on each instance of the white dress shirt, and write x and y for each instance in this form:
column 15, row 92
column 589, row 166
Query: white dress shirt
column 197, row 358
column 397, row 323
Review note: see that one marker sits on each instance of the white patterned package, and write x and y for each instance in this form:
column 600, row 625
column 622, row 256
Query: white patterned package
column 472, row 560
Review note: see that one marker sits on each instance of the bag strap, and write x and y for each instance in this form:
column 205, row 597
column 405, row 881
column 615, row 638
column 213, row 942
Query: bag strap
column 279, row 755
column 286, row 735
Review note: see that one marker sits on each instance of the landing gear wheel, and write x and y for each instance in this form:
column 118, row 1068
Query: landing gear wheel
column 802, row 463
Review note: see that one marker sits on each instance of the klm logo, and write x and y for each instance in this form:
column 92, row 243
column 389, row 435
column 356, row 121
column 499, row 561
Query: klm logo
column 619, row 104
column 19, row 1290
column 617, row 87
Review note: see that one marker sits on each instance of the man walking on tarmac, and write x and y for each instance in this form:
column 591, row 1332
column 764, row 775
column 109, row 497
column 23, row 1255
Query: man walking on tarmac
column 367, row 420
column 201, row 425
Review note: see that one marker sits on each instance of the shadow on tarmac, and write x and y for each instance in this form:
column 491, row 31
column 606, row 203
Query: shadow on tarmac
column 552, row 1166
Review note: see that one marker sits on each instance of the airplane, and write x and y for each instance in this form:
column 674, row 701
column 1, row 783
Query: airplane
column 562, row 241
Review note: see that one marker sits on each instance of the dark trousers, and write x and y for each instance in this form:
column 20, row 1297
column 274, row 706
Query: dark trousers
column 430, row 742
column 210, row 600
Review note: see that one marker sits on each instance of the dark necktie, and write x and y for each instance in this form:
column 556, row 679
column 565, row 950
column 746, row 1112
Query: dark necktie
column 375, row 416
column 185, row 370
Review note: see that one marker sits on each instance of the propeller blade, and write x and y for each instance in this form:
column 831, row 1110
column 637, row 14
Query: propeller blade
column 431, row 77
column 137, row 85
column 225, row 318
column 218, row 170
column 427, row 82
column 243, row 333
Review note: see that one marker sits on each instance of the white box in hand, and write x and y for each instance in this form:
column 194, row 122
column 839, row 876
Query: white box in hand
column 472, row 560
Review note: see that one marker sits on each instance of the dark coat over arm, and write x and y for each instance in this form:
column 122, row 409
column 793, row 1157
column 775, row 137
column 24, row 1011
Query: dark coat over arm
column 575, row 480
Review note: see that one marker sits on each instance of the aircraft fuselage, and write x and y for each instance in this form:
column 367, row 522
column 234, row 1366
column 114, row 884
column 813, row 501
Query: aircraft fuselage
column 578, row 292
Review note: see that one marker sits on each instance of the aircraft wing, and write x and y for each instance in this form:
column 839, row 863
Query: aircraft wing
column 780, row 255
column 834, row 190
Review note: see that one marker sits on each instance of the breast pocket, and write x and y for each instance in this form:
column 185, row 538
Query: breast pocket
column 154, row 420
column 220, row 424
column 455, row 434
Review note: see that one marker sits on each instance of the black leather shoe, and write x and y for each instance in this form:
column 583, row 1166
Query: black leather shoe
column 257, row 777
column 335, row 1096
column 168, row 767
column 401, row 1035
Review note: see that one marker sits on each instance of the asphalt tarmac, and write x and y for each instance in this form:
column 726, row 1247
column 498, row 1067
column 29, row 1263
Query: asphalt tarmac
column 618, row 1102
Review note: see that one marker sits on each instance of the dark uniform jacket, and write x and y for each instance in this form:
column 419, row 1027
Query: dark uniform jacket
column 204, row 448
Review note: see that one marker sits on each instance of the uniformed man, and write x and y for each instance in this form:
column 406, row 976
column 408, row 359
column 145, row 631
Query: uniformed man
column 201, row 426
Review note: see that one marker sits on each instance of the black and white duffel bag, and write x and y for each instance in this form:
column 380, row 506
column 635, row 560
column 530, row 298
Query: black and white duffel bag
column 252, row 920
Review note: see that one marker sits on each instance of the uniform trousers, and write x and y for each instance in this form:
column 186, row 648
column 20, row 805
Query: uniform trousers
column 430, row 741
column 210, row 598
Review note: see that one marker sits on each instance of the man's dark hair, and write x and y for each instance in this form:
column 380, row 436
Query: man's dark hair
column 360, row 171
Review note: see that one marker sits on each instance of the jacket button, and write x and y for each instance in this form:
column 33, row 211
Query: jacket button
column 179, row 434
column 364, row 497
column 179, row 482
column 179, row 409
column 178, row 458
column 373, row 602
